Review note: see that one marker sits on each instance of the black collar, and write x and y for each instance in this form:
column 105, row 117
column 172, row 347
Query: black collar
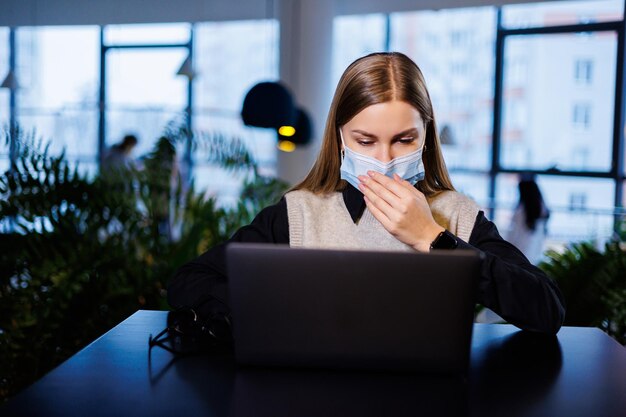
column 354, row 201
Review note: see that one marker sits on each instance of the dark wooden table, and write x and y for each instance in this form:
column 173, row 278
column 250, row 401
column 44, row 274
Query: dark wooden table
column 581, row 372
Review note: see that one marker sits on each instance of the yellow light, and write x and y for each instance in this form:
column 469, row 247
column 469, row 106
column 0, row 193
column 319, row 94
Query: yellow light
column 286, row 131
column 286, row 146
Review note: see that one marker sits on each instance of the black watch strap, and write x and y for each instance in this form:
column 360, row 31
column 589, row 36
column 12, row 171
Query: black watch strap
column 445, row 240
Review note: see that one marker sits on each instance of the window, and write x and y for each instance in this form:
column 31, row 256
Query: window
column 355, row 36
column 460, row 79
column 580, row 208
column 143, row 91
column 561, row 13
column 549, row 108
column 460, row 69
column 577, row 201
column 581, row 116
column 4, row 99
column 4, row 70
column 460, row 38
column 57, row 69
column 475, row 185
column 583, row 71
column 143, row 94
column 565, row 108
column 143, row 34
column 230, row 58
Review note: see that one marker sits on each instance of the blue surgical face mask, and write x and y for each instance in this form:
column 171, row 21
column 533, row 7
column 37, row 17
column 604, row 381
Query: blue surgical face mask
column 409, row 167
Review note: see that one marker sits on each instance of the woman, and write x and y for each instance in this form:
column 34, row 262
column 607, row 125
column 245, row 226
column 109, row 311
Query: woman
column 380, row 182
column 528, row 228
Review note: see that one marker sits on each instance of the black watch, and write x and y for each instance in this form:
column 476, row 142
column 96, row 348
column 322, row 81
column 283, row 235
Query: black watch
column 445, row 240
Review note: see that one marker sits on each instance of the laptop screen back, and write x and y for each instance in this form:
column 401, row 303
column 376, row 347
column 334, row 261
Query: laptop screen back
column 352, row 309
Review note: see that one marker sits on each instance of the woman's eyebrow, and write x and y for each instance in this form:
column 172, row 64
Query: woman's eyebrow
column 411, row 131
column 364, row 133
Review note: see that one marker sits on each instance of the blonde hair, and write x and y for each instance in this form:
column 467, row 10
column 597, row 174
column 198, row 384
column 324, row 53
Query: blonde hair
column 373, row 79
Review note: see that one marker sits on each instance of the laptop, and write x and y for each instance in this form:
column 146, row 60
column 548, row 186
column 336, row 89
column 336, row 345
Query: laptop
column 351, row 309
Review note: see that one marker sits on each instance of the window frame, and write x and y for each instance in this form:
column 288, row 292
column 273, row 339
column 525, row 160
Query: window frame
column 616, row 172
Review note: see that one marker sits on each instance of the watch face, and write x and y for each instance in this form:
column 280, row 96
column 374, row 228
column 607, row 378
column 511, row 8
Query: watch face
column 445, row 240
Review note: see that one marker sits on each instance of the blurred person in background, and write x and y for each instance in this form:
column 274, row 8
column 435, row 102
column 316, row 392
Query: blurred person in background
column 118, row 156
column 528, row 229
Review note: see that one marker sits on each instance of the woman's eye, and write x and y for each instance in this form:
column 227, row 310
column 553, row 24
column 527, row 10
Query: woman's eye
column 364, row 142
column 407, row 140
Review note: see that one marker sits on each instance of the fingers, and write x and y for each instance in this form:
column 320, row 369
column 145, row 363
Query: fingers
column 407, row 185
column 377, row 181
column 376, row 191
column 384, row 194
column 390, row 198
column 383, row 205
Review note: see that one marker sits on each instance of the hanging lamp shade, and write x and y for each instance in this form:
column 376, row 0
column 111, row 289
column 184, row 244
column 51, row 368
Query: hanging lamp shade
column 10, row 81
column 186, row 68
column 269, row 104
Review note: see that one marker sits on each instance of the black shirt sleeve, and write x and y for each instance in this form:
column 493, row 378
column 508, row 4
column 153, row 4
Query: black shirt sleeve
column 201, row 284
column 511, row 286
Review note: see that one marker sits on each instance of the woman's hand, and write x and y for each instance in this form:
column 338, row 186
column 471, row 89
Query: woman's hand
column 401, row 208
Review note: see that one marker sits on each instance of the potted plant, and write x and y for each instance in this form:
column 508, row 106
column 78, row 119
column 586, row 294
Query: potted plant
column 80, row 254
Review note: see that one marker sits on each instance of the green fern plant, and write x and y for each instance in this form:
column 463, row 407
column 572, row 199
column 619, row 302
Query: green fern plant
column 593, row 283
column 81, row 254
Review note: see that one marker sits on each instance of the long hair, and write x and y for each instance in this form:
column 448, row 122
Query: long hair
column 373, row 79
column 531, row 200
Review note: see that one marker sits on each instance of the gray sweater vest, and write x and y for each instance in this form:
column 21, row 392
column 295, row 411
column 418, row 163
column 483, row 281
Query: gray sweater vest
column 323, row 221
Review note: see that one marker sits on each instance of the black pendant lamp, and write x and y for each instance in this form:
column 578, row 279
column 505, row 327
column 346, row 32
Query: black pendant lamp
column 269, row 104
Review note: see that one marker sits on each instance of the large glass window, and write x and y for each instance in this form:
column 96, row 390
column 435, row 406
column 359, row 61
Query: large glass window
column 558, row 106
column 580, row 208
column 454, row 49
column 229, row 59
column 472, row 184
column 355, row 36
column 143, row 91
column 57, row 70
column 559, row 91
column 4, row 70
column 561, row 13
column 4, row 99
column 558, row 97
column 142, row 34
column 143, row 94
